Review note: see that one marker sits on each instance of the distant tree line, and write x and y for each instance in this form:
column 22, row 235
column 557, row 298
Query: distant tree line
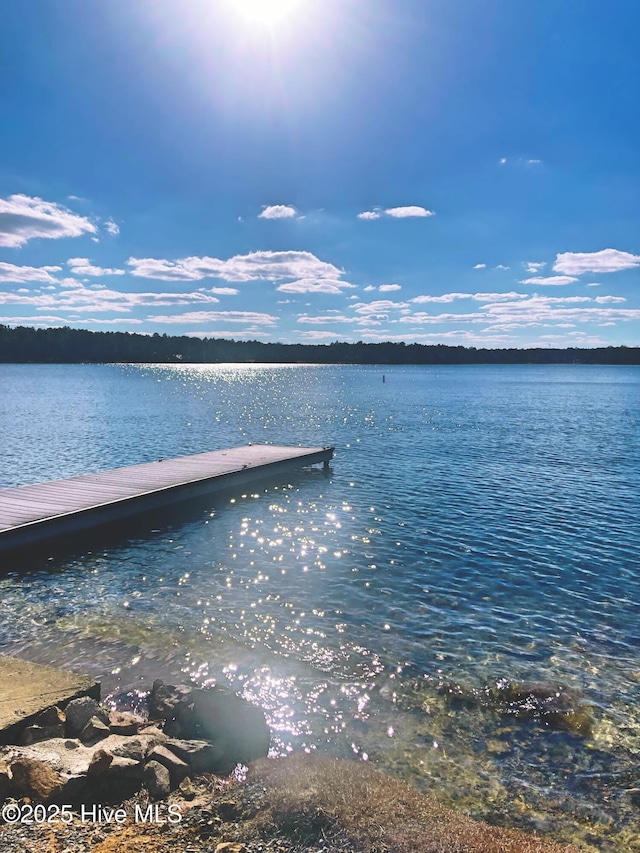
column 22, row 345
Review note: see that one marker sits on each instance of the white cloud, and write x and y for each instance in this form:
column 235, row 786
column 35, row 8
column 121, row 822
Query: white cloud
column 552, row 280
column 603, row 300
column 535, row 266
column 328, row 318
column 397, row 212
column 278, row 211
column 412, row 210
column 42, row 320
column 80, row 298
column 83, row 266
column 607, row 260
column 388, row 288
column 314, row 285
column 368, row 288
column 223, row 291
column 533, row 162
column 317, row 335
column 112, row 227
column 421, row 317
column 501, row 267
column 217, row 317
column 502, row 161
column 23, row 218
column 446, row 297
column 112, row 321
column 378, row 305
column 11, row 272
column 594, row 284
column 478, row 297
column 271, row 266
column 480, row 266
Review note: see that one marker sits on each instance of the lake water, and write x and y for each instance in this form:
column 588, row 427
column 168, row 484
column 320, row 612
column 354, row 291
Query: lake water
column 478, row 524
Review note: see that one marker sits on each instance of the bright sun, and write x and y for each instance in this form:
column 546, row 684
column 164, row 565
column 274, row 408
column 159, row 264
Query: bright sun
column 264, row 12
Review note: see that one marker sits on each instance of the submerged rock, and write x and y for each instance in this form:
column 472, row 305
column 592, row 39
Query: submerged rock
column 555, row 705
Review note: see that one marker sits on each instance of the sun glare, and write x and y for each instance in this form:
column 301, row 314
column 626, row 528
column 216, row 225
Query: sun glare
column 264, row 12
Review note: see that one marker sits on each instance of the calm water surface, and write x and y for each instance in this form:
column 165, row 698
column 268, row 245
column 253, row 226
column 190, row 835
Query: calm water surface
column 478, row 524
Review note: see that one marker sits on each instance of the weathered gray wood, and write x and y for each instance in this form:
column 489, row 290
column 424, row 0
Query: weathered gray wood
column 29, row 514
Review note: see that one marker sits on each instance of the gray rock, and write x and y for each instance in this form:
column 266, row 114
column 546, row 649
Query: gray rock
column 51, row 716
column 124, row 723
column 200, row 755
column 177, row 768
column 36, row 734
column 157, row 780
column 94, row 731
column 80, row 711
column 100, row 763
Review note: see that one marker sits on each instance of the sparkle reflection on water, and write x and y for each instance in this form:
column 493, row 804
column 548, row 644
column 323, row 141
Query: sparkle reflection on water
column 478, row 523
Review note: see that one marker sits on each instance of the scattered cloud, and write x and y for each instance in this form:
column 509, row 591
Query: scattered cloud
column 112, row 227
column 604, row 300
column 552, row 280
column 368, row 288
column 12, row 272
column 594, row 284
column 320, row 335
column 217, row 317
column 535, row 266
column 23, row 218
column 478, row 297
column 412, row 210
column 277, row 211
column 388, row 288
column 323, row 318
column 480, row 266
column 533, row 162
column 502, row 161
column 83, row 266
column 501, row 267
column 397, row 212
column 314, row 285
column 445, row 297
column 607, row 260
column 271, row 266
column 42, row 320
column 77, row 297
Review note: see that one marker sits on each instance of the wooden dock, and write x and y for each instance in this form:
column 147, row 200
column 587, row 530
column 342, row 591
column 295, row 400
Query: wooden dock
column 31, row 514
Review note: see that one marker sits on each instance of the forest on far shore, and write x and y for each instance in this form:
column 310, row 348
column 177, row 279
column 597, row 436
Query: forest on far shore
column 26, row 345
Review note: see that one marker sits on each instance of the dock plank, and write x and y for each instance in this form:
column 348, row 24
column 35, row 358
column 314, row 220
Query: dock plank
column 38, row 511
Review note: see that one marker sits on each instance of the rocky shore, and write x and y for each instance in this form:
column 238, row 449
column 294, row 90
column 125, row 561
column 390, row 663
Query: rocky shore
column 84, row 778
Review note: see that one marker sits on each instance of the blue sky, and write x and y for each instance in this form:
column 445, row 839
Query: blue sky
column 438, row 171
